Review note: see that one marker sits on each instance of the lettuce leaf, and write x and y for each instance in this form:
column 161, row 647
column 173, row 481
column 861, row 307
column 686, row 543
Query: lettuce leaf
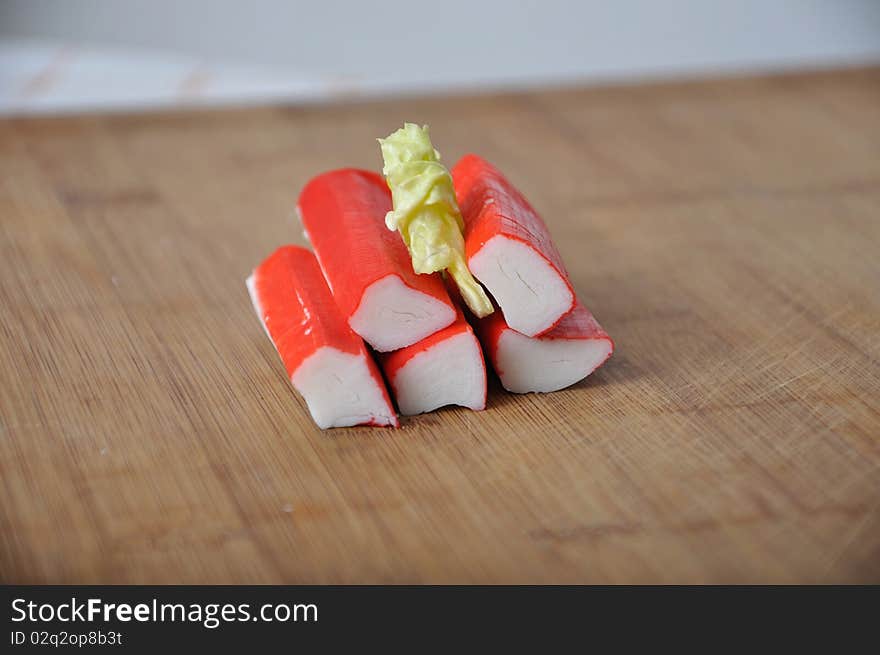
column 426, row 212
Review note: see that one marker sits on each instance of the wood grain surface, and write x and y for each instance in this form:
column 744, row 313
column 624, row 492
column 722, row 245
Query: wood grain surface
column 726, row 233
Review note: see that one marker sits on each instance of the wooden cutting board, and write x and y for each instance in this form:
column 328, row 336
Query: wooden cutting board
column 726, row 233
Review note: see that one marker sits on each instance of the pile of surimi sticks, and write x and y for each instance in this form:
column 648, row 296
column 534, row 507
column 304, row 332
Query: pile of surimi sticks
column 360, row 286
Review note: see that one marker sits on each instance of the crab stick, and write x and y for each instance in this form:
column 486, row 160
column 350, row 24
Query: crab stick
column 568, row 353
column 508, row 248
column 366, row 265
column 446, row 368
column 327, row 363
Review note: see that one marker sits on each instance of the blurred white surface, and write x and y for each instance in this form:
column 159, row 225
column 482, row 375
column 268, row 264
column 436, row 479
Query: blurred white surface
column 47, row 77
column 130, row 53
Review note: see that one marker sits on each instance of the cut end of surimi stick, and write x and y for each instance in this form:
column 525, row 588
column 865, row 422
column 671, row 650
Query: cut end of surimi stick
column 527, row 364
column 392, row 315
column 571, row 351
column 450, row 372
column 341, row 391
column 532, row 293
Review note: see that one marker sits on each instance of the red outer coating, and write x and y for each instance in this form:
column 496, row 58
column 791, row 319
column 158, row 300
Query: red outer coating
column 393, row 361
column 343, row 212
column 492, row 206
column 579, row 323
column 299, row 312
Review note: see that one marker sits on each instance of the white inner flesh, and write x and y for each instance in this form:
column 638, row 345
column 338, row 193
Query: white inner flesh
column 392, row 315
column 340, row 391
column 546, row 364
column 450, row 373
column 531, row 293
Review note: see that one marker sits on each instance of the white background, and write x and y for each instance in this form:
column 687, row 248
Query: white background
column 167, row 51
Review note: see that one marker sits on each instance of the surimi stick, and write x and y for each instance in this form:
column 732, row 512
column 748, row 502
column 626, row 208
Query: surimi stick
column 572, row 350
column 327, row 363
column 508, row 248
column 446, row 368
column 366, row 265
